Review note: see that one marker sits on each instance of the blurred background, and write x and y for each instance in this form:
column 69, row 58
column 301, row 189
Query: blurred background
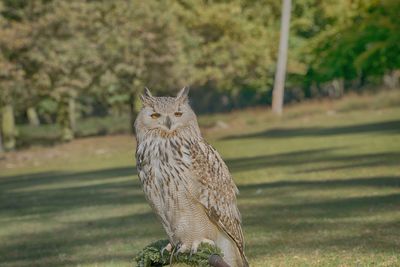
column 319, row 183
column 75, row 68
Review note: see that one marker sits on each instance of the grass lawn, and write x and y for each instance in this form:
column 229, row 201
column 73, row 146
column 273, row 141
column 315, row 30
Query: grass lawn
column 319, row 187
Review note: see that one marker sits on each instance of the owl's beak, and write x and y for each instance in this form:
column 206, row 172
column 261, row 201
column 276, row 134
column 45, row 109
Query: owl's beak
column 168, row 123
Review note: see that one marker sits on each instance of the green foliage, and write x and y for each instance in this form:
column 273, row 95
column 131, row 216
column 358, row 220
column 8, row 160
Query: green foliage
column 151, row 255
column 225, row 50
column 364, row 42
column 233, row 49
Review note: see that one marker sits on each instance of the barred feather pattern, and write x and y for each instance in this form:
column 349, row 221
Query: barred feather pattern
column 218, row 191
column 189, row 187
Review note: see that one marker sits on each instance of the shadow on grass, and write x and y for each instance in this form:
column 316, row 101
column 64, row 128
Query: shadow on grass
column 42, row 178
column 314, row 156
column 56, row 247
column 49, row 192
column 42, row 198
column 312, row 224
column 388, row 181
column 390, row 127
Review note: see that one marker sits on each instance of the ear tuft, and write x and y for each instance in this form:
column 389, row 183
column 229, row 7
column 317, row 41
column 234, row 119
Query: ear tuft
column 146, row 98
column 183, row 94
column 147, row 92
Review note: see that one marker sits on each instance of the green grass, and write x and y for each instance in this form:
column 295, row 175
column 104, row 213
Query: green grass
column 319, row 187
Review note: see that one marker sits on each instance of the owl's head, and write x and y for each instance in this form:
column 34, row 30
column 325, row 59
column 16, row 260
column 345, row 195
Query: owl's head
column 165, row 114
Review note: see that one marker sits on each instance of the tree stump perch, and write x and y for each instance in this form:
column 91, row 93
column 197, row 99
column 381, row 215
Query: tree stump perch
column 217, row 261
column 206, row 256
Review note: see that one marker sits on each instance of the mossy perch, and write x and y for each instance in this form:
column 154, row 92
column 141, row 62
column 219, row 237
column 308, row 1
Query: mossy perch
column 206, row 256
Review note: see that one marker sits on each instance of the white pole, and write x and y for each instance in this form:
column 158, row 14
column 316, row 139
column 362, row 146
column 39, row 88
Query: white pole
column 279, row 84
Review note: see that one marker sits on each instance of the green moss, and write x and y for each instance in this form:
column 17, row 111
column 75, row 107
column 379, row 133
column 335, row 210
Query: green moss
column 151, row 255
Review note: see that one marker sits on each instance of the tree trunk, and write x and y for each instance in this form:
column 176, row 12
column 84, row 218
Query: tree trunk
column 277, row 94
column 32, row 116
column 72, row 113
column 9, row 130
column 66, row 117
column 1, row 143
column 338, row 86
column 391, row 79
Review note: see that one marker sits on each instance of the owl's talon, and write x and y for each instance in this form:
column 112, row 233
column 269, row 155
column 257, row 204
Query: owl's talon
column 166, row 248
column 181, row 248
column 193, row 250
column 176, row 249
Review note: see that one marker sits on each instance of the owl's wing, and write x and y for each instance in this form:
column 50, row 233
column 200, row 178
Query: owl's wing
column 217, row 192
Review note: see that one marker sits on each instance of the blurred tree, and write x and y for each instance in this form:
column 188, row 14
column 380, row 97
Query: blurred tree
column 1, row 142
column 13, row 38
column 57, row 56
column 231, row 46
column 277, row 99
column 362, row 42
column 9, row 132
column 62, row 57
column 8, row 127
column 140, row 44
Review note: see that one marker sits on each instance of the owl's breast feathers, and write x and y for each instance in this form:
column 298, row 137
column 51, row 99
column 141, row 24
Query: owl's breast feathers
column 164, row 169
column 197, row 166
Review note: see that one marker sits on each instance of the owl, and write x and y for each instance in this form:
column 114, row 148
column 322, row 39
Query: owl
column 185, row 180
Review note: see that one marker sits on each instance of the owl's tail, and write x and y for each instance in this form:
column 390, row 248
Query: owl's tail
column 232, row 254
column 240, row 259
column 244, row 260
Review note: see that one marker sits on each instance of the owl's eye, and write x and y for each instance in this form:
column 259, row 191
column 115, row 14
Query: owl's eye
column 178, row 114
column 155, row 115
